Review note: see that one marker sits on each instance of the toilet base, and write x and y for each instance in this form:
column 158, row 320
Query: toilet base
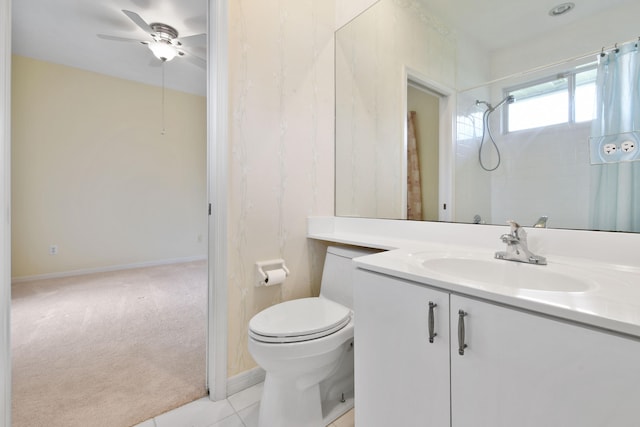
column 315, row 398
column 285, row 405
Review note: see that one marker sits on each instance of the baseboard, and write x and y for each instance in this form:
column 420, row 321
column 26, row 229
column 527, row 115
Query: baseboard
column 245, row 380
column 72, row 273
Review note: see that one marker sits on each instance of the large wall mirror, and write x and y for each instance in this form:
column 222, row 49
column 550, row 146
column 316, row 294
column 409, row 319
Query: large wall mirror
column 481, row 112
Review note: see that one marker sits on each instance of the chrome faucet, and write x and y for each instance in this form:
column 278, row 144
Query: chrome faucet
column 517, row 249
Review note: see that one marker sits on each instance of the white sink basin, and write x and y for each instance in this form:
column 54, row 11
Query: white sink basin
column 548, row 278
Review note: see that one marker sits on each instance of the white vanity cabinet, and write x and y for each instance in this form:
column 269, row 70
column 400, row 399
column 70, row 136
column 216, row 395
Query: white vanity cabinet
column 521, row 369
column 518, row 368
column 402, row 379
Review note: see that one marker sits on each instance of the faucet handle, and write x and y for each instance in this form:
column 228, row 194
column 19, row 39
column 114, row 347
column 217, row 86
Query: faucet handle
column 517, row 231
column 514, row 227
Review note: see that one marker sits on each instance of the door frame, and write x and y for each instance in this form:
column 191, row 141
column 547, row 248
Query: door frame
column 217, row 180
column 446, row 140
column 5, row 212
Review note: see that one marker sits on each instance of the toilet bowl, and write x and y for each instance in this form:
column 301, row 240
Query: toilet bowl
column 305, row 347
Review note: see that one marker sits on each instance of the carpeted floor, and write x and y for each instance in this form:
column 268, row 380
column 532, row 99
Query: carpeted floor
column 110, row 349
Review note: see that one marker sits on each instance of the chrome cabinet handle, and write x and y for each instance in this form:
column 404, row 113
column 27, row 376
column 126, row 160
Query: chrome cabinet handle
column 461, row 344
column 432, row 334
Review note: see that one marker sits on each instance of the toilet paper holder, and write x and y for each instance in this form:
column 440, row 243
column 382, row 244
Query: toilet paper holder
column 262, row 273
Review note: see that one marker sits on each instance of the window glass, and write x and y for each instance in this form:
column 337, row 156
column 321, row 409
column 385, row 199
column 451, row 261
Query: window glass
column 585, row 97
column 548, row 102
column 545, row 109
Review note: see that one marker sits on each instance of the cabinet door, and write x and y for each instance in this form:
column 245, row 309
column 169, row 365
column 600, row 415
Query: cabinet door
column 401, row 378
column 520, row 369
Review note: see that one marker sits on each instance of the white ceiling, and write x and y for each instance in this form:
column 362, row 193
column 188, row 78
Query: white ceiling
column 65, row 32
column 497, row 24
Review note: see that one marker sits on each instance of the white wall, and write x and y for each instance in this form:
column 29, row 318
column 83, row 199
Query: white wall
column 93, row 174
column 616, row 24
column 472, row 184
column 543, row 173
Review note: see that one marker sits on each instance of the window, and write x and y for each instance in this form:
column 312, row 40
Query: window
column 568, row 98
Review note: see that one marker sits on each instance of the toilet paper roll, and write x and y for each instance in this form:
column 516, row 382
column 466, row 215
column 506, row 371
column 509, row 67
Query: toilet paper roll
column 275, row 277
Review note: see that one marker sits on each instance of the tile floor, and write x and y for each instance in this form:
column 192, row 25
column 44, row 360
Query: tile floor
column 239, row 410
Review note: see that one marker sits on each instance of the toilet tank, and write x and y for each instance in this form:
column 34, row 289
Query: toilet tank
column 337, row 282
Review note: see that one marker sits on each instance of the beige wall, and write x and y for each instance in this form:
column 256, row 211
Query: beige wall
column 346, row 10
column 427, row 111
column 92, row 174
column 281, row 152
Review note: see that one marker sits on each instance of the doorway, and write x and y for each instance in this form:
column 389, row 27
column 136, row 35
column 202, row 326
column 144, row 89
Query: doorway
column 424, row 119
column 434, row 127
column 217, row 105
column 123, row 207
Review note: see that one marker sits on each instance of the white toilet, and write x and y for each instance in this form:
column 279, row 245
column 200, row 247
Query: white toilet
column 306, row 348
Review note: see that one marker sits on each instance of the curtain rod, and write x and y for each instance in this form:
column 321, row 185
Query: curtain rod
column 544, row 67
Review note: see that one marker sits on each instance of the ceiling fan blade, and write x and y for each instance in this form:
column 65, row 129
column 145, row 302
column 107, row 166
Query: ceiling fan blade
column 120, row 39
column 194, row 40
column 138, row 21
column 195, row 60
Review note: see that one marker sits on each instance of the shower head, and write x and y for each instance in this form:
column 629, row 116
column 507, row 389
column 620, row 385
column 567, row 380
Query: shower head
column 509, row 100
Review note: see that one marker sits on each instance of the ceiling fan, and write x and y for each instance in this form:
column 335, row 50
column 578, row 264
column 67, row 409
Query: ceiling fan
column 164, row 42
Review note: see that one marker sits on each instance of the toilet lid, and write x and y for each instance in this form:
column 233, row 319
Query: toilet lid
column 299, row 320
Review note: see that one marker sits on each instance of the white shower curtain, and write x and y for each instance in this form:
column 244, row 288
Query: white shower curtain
column 615, row 187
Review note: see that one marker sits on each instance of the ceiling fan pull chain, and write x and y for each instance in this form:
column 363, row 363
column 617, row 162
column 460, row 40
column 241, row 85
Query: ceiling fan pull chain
column 163, row 127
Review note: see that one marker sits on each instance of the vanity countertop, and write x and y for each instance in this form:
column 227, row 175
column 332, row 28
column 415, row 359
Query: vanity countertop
column 610, row 301
column 607, row 264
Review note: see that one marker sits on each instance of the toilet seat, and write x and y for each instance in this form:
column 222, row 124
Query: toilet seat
column 299, row 320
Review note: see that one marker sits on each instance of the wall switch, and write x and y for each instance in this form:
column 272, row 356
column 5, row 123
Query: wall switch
column 53, row 250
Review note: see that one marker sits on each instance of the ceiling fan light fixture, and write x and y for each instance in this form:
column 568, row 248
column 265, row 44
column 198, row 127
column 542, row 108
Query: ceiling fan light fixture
column 163, row 50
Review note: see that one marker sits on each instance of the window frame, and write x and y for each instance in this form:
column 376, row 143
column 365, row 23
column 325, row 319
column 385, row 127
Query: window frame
column 571, row 98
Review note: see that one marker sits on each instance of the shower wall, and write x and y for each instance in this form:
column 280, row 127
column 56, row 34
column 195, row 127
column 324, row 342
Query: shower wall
column 472, row 185
column 543, row 171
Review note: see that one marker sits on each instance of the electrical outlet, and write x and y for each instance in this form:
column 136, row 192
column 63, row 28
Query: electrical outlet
column 628, row 146
column 610, row 149
column 53, row 250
